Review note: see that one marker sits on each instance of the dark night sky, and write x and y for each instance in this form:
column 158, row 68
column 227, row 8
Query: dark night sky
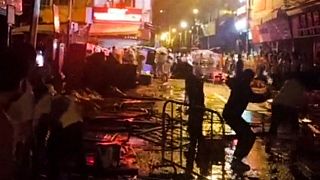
column 177, row 10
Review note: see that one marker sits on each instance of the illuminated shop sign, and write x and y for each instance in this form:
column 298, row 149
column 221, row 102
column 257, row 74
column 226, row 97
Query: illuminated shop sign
column 306, row 24
column 115, row 14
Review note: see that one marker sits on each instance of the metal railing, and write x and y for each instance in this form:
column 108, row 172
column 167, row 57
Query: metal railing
column 174, row 132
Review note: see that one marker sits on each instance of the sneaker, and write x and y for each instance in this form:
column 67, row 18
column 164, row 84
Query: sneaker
column 239, row 166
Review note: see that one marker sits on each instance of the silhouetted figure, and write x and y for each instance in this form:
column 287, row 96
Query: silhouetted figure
column 112, row 58
column 285, row 108
column 239, row 66
column 241, row 95
column 94, row 72
column 13, row 72
column 21, row 111
column 195, row 98
column 64, row 142
column 261, row 76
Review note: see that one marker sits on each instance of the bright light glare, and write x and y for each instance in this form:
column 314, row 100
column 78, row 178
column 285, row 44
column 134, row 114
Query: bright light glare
column 241, row 24
column 183, row 24
column 40, row 59
column 164, row 36
column 241, row 1
column 195, row 11
column 115, row 14
column 174, row 30
column 241, row 10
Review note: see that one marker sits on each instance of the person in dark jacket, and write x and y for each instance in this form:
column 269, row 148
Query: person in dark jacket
column 241, row 95
column 13, row 72
column 239, row 65
column 195, row 99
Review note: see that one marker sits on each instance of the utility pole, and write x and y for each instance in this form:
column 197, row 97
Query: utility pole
column 10, row 21
column 35, row 22
column 69, row 22
column 248, row 28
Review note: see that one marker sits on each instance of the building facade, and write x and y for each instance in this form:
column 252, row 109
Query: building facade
column 121, row 23
column 287, row 25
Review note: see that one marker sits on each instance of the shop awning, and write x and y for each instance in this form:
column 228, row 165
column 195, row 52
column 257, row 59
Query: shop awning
column 42, row 28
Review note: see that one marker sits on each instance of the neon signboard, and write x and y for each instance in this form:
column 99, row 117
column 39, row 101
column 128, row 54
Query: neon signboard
column 115, row 14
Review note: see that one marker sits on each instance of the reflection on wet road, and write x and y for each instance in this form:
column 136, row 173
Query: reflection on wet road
column 216, row 97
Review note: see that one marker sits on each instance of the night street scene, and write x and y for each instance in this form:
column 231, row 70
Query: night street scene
column 159, row 89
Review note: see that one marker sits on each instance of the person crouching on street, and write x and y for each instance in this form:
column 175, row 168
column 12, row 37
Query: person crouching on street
column 241, row 95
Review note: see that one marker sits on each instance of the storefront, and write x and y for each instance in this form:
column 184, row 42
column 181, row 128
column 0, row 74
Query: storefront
column 121, row 26
column 17, row 4
column 306, row 32
column 274, row 34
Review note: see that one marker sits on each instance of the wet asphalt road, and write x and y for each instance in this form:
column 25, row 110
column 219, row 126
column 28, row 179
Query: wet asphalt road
column 215, row 98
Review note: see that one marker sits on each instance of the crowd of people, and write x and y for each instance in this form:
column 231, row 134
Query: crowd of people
column 275, row 65
column 34, row 118
column 39, row 128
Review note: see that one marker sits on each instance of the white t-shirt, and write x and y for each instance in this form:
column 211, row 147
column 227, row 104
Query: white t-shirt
column 167, row 68
column 21, row 113
column 72, row 115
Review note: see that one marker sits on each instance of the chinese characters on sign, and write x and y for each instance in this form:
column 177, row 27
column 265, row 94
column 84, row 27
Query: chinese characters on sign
column 306, row 24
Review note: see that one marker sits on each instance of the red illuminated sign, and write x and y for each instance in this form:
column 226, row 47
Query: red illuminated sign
column 116, row 14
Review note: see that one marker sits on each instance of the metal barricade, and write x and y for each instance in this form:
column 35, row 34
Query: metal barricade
column 174, row 132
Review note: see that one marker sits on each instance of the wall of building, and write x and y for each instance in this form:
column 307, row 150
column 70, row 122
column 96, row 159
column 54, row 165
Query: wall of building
column 264, row 10
column 78, row 12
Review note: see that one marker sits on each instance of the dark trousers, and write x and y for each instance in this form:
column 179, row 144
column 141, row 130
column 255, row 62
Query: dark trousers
column 195, row 135
column 65, row 152
column 244, row 134
column 283, row 114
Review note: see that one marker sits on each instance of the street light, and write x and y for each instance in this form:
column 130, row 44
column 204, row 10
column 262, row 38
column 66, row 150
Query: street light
column 161, row 11
column 180, row 39
column 183, row 24
column 195, row 11
column 164, row 36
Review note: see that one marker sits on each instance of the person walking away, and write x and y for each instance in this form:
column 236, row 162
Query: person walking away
column 161, row 58
column 285, row 108
column 167, row 70
column 195, row 99
column 13, row 71
column 241, row 95
column 141, row 59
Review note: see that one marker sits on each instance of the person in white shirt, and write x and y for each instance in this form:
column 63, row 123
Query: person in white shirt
column 167, row 70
